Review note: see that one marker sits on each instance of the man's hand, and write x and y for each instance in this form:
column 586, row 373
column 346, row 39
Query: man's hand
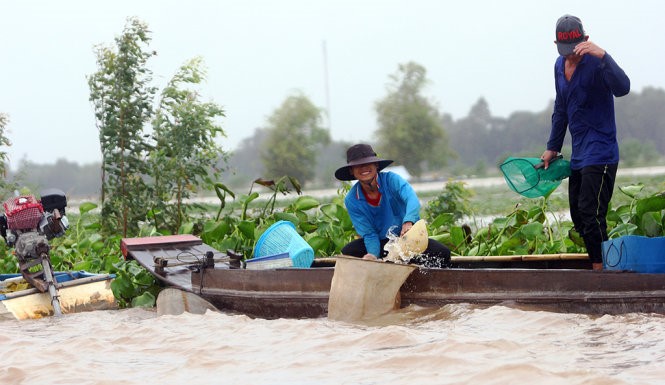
column 547, row 156
column 370, row 257
column 588, row 47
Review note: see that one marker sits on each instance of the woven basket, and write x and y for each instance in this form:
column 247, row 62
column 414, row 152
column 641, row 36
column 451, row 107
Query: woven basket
column 282, row 237
column 23, row 212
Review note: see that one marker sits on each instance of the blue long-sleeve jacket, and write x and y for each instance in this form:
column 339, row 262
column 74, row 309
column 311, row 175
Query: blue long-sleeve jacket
column 585, row 105
column 399, row 203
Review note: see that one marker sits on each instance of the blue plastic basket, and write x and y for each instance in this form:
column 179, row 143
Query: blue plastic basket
column 635, row 253
column 282, row 237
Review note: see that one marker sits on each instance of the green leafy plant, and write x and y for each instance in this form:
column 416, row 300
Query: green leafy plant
column 84, row 246
column 326, row 227
column 526, row 230
column 453, row 200
column 644, row 214
column 8, row 262
column 240, row 231
column 133, row 285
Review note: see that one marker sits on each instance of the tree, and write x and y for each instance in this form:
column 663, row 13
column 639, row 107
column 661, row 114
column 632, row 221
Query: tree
column 70, row 177
column 294, row 136
column 4, row 141
column 470, row 136
column 244, row 165
column 480, row 138
column 5, row 187
column 642, row 116
column 635, row 152
column 183, row 161
column 122, row 99
column 410, row 127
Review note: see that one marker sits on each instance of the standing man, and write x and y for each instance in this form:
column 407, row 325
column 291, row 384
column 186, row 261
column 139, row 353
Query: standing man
column 587, row 79
column 382, row 202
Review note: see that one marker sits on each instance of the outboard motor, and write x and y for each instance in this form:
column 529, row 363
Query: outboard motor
column 27, row 225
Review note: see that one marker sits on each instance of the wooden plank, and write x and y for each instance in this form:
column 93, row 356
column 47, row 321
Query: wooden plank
column 494, row 258
column 525, row 258
column 575, row 256
column 553, row 257
column 142, row 243
column 500, row 258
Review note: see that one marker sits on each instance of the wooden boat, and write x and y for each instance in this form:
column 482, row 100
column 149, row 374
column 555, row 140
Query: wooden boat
column 562, row 283
column 78, row 291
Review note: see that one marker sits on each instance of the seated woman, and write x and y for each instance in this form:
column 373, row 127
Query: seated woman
column 381, row 201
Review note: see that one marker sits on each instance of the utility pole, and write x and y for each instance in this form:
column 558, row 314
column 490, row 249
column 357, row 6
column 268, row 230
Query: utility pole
column 327, row 88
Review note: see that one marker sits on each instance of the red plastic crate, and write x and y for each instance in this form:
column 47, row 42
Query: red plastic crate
column 23, row 212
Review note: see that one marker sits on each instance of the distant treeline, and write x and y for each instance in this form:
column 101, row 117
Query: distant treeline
column 70, row 177
column 482, row 138
column 480, row 141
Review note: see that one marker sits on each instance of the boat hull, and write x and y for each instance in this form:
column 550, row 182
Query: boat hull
column 561, row 290
column 87, row 292
column 276, row 293
column 303, row 293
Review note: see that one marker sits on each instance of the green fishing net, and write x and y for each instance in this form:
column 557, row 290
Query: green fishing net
column 528, row 176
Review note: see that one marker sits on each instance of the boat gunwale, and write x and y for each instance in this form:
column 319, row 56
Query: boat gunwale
column 59, row 285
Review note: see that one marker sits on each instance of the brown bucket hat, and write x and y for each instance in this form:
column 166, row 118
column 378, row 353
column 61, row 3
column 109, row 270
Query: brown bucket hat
column 360, row 154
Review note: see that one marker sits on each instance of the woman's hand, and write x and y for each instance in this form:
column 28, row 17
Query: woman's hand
column 406, row 226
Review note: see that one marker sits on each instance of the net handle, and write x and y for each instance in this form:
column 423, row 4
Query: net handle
column 542, row 164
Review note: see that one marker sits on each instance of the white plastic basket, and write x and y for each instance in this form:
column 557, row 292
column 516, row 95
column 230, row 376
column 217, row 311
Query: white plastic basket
column 269, row 262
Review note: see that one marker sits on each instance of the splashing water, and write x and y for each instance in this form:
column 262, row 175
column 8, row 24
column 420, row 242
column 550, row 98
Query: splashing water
column 411, row 244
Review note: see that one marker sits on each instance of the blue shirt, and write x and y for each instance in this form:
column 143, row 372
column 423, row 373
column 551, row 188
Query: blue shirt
column 585, row 105
column 399, row 203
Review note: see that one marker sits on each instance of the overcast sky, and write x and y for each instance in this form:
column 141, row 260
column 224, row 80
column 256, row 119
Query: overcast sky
column 258, row 52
